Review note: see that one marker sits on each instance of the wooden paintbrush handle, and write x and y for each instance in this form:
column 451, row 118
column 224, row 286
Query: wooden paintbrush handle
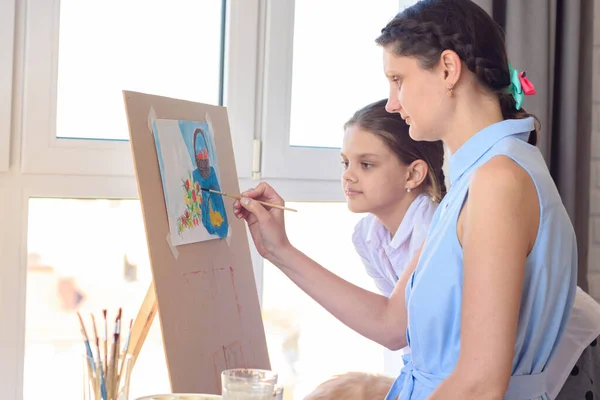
column 264, row 203
column 276, row 206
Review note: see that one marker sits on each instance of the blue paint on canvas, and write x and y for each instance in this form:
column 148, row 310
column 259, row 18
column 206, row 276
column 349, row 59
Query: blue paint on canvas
column 188, row 162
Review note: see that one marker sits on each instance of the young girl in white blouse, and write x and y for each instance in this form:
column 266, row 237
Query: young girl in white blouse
column 399, row 215
column 407, row 195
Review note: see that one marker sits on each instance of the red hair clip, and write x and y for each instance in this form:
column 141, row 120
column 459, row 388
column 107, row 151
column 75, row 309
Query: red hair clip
column 526, row 85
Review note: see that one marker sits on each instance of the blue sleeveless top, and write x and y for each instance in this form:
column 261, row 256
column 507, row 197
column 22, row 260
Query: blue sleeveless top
column 434, row 291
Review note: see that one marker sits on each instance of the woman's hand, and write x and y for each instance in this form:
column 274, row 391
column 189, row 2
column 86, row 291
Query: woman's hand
column 266, row 224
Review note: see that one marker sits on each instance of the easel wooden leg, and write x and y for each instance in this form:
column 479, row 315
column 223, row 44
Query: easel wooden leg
column 142, row 323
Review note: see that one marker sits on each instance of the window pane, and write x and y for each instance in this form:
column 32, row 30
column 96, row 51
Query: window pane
column 169, row 48
column 306, row 344
column 337, row 66
column 84, row 255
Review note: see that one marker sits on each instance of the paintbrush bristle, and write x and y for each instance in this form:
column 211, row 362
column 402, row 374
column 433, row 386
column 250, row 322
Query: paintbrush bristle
column 94, row 324
column 83, row 331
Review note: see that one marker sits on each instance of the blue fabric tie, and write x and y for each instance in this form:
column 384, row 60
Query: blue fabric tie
column 521, row 387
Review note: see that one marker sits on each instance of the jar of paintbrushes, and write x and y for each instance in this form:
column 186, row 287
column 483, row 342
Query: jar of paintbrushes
column 106, row 363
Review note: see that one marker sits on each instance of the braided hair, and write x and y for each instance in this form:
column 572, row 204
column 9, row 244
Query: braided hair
column 430, row 27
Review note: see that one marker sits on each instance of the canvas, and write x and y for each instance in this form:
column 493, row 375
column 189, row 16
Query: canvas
column 188, row 162
column 206, row 291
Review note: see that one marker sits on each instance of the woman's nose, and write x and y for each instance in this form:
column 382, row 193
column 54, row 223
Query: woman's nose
column 393, row 104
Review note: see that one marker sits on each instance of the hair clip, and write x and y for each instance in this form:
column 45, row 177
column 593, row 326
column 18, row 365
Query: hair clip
column 526, row 85
column 520, row 86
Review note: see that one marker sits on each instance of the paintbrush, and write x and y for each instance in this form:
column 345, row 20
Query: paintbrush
column 90, row 356
column 264, row 203
column 113, row 364
column 102, row 373
column 125, row 349
column 105, row 344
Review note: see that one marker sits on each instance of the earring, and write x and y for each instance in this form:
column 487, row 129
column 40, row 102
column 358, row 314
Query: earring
column 449, row 93
column 408, row 190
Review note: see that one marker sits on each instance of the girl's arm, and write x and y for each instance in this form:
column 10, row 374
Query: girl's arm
column 499, row 226
column 378, row 318
column 374, row 316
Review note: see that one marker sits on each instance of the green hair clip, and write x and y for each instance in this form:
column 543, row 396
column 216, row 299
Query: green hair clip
column 520, row 86
column 515, row 86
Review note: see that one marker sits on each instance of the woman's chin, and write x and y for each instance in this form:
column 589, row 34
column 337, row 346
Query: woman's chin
column 420, row 136
column 414, row 133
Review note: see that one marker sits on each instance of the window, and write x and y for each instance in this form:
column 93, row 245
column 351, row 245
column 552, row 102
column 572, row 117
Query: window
column 142, row 51
column 335, row 71
column 7, row 28
column 306, row 344
column 316, row 76
column 73, row 160
column 84, row 256
column 75, row 71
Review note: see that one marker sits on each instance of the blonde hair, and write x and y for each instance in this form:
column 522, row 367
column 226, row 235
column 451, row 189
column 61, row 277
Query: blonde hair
column 353, row 386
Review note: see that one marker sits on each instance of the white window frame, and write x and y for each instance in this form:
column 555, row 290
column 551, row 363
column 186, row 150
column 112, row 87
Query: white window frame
column 7, row 30
column 44, row 153
column 279, row 159
column 44, row 166
column 283, row 165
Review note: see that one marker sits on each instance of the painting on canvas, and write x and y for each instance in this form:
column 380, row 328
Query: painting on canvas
column 188, row 162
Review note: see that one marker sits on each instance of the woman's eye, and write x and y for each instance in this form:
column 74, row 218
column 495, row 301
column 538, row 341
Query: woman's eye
column 345, row 164
column 366, row 165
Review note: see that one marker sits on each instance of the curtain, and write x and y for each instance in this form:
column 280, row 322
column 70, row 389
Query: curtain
column 552, row 40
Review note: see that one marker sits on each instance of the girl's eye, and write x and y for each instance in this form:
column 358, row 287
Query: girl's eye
column 345, row 164
column 367, row 165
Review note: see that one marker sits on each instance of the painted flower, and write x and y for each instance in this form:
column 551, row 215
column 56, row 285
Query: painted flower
column 192, row 197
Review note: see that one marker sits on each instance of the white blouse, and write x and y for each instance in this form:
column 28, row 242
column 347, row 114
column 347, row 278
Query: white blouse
column 384, row 256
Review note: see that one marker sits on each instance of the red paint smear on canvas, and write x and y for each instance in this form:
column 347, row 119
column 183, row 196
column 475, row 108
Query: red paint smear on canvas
column 237, row 300
column 198, row 272
column 187, row 275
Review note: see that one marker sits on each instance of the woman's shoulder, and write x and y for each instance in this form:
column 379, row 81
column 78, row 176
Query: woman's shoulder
column 501, row 174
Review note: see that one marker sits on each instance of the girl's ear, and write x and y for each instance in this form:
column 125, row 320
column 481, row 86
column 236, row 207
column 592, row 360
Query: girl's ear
column 417, row 172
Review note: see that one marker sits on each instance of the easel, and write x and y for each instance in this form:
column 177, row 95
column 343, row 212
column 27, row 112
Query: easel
column 209, row 309
column 142, row 323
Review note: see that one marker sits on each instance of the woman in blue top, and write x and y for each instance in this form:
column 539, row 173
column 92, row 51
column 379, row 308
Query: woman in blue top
column 485, row 305
column 493, row 289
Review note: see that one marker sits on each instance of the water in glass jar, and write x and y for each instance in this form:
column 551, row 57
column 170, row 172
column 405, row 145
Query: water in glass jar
column 247, row 391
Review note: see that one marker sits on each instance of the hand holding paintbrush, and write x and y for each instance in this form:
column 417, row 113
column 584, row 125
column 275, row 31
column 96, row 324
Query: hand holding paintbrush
column 266, row 225
column 238, row 197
